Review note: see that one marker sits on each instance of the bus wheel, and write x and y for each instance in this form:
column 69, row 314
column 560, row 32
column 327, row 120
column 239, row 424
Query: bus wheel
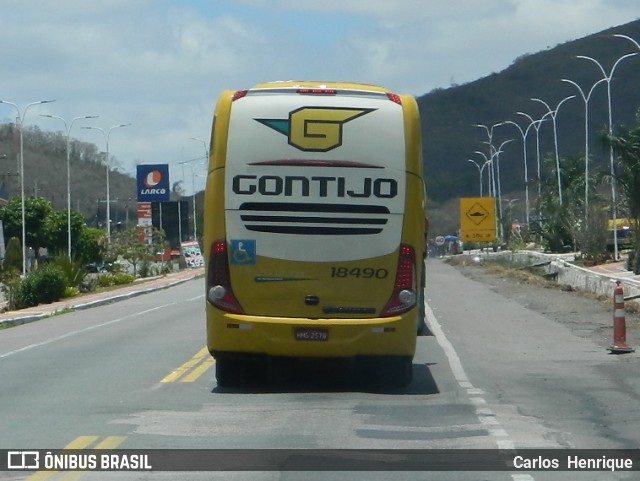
column 228, row 372
column 422, row 328
column 397, row 372
column 240, row 372
column 393, row 372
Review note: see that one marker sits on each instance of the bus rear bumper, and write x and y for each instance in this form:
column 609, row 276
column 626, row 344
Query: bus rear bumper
column 234, row 334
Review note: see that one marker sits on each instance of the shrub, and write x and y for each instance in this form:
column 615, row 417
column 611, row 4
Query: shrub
column 13, row 255
column 72, row 270
column 114, row 279
column 71, row 291
column 145, row 269
column 42, row 286
column 122, row 278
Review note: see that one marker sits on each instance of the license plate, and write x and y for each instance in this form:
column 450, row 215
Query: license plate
column 311, row 334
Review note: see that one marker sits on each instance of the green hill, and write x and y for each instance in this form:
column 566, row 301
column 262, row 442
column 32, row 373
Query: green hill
column 450, row 136
column 45, row 171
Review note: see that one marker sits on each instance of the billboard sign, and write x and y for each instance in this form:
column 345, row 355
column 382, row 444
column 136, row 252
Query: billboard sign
column 153, row 182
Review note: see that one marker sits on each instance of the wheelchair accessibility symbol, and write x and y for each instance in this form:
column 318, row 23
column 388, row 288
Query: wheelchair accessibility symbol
column 243, row 253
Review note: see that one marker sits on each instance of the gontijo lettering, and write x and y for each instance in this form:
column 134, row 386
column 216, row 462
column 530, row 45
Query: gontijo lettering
column 323, row 186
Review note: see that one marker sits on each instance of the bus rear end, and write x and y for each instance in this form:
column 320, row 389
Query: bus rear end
column 314, row 225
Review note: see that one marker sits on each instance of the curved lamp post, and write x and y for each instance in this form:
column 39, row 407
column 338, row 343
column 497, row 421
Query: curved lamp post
column 491, row 177
column 536, row 125
column 106, row 136
column 524, row 133
column 497, row 157
column 585, row 98
column 608, row 78
column 20, row 122
column 480, row 169
column 553, row 114
column 193, row 181
column 67, row 128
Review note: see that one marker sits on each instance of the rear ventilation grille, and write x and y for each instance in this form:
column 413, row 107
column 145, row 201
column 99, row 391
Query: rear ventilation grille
column 313, row 219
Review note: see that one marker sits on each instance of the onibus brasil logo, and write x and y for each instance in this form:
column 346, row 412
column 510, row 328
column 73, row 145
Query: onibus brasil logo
column 315, row 129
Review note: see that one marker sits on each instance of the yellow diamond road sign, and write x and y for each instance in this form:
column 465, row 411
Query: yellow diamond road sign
column 477, row 219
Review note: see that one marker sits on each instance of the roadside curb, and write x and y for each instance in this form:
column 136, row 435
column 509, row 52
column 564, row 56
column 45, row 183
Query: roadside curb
column 591, row 279
column 26, row 318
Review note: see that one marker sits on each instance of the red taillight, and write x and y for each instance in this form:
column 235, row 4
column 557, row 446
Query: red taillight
column 219, row 292
column 239, row 94
column 394, row 98
column 404, row 291
column 405, row 272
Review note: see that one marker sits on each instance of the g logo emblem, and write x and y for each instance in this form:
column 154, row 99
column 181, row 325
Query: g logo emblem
column 315, row 129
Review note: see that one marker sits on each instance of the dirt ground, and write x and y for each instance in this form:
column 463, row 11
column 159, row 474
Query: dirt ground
column 585, row 314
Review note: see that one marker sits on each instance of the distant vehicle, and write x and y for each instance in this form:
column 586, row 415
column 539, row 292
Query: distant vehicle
column 314, row 228
column 623, row 226
column 95, row 268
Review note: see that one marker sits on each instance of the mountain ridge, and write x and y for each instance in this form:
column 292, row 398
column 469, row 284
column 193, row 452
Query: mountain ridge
column 449, row 116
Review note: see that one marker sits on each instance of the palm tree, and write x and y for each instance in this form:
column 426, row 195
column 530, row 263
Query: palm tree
column 626, row 145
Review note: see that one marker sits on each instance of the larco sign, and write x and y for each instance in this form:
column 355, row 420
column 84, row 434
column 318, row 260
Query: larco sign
column 153, row 182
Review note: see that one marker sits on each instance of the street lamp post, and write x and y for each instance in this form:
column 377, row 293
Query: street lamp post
column 20, row 122
column 68, row 133
column 492, row 149
column 497, row 157
column 536, row 125
column 585, row 98
column 608, row 78
column 491, row 180
column 193, row 181
column 106, row 136
column 619, row 35
column 524, row 133
column 480, row 169
column 553, row 114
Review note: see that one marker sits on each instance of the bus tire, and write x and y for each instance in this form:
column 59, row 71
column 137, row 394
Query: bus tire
column 398, row 372
column 228, row 372
column 232, row 372
column 388, row 372
column 422, row 328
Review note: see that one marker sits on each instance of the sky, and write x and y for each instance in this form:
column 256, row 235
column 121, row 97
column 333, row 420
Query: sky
column 160, row 65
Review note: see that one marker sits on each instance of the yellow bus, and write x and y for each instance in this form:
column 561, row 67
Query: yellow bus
column 314, row 229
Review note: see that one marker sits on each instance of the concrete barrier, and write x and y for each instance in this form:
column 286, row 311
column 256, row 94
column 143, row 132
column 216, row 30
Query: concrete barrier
column 593, row 280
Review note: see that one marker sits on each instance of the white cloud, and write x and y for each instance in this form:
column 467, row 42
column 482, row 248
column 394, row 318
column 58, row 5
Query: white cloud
column 161, row 65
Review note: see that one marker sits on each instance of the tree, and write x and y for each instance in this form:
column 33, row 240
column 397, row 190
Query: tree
column 56, row 227
column 91, row 245
column 569, row 224
column 13, row 256
column 127, row 244
column 626, row 145
column 37, row 211
column 11, row 269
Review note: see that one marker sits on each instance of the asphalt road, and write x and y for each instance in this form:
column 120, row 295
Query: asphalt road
column 497, row 373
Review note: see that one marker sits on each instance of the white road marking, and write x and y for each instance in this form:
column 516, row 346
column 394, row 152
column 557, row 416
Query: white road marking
column 485, row 415
column 81, row 331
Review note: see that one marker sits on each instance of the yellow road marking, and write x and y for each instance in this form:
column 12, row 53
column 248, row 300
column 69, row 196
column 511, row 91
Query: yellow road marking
column 81, row 442
column 195, row 365
column 198, row 371
column 110, row 442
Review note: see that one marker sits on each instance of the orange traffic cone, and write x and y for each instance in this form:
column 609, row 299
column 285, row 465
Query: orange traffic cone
column 619, row 323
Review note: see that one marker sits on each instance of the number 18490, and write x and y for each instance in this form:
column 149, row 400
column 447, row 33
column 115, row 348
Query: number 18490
column 360, row 272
